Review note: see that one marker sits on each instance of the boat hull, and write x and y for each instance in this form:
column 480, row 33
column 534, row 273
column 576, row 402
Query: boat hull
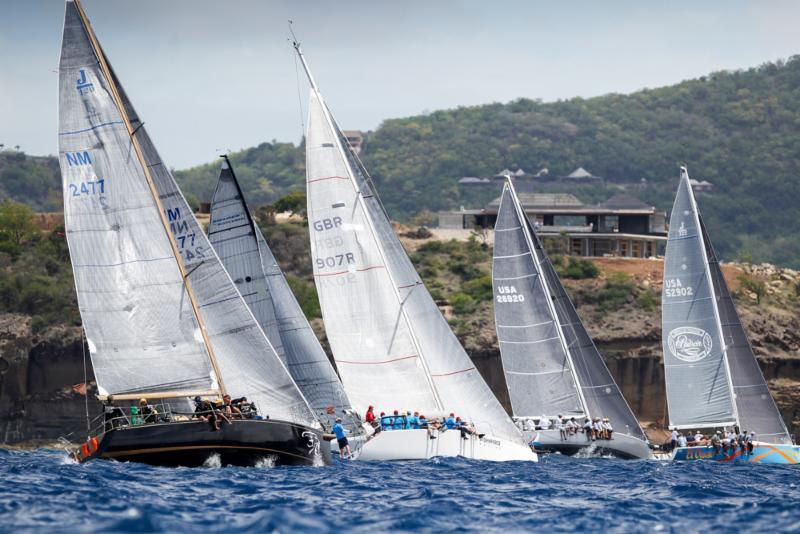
column 194, row 444
column 763, row 453
column 622, row 446
column 415, row 444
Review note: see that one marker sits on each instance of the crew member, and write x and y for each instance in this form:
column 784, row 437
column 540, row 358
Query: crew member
column 341, row 439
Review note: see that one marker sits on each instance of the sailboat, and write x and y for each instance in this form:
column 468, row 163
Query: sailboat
column 392, row 346
column 712, row 376
column 244, row 252
column 551, row 365
column 163, row 320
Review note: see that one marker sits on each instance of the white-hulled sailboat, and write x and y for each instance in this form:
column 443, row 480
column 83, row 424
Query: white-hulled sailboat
column 244, row 252
column 551, row 365
column 163, row 319
column 712, row 376
column 392, row 346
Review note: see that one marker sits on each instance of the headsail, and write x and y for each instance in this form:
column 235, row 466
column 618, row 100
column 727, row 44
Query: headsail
column 755, row 406
column 537, row 367
column 149, row 327
column 391, row 343
column 698, row 384
column 248, row 259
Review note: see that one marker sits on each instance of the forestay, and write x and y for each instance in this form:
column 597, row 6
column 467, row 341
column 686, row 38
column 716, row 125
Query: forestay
column 248, row 364
column 698, row 387
column 391, row 343
column 536, row 366
column 247, row 257
column 755, row 406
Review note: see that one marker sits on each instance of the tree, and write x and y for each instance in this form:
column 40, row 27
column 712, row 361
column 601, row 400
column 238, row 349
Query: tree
column 16, row 222
column 294, row 201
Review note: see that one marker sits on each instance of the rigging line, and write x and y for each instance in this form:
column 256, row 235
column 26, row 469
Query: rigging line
column 85, row 386
column 297, row 83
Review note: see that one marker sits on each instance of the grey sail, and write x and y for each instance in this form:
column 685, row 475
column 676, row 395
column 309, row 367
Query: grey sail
column 601, row 395
column 249, row 261
column 537, row 368
column 393, row 347
column 247, row 364
column 755, row 406
column 697, row 380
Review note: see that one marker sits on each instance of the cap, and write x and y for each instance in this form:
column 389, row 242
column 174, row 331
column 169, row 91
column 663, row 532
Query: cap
column 142, row 401
column 338, row 419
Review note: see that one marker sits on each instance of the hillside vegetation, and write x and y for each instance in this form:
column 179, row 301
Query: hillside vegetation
column 739, row 130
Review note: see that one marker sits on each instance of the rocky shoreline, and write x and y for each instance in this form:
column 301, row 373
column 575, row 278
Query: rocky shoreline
column 38, row 369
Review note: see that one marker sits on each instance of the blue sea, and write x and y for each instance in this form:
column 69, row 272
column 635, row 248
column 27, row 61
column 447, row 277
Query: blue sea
column 42, row 490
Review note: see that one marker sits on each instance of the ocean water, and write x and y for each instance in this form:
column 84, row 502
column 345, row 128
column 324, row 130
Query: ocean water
column 42, row 490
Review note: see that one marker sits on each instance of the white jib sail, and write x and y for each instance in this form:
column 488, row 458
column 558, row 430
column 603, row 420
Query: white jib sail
column 391, row 343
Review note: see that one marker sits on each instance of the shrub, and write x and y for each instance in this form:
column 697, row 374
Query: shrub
column 306, row 294
column 754, row 286
column 579, row 269
column 462, row 303
column 479, row 288
column 648, row 300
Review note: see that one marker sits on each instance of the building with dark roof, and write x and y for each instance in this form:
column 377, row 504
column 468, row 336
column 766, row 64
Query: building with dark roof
column 621, row 226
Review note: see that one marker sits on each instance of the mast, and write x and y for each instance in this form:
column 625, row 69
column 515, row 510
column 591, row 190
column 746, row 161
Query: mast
column 523, row 222
column 151, row 185
column 341, row 148
column 685, row 173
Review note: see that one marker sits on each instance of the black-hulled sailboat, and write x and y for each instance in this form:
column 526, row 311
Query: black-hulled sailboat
column 714, row 383
column 551, row 365
column 163, row 319
column 244, row 252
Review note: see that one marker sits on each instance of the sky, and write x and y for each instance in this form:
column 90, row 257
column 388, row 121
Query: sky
column 214, row 76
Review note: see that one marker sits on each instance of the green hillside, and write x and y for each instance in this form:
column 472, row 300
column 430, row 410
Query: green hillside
column 739, row 130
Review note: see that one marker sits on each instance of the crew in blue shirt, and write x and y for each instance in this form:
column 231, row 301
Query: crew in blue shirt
column 399, row 421
column 387, row 421
column 341, row 438
column 450, row 422
column 413, row 421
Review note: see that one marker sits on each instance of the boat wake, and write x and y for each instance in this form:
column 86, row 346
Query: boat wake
column 267, row 462
column 213, row 461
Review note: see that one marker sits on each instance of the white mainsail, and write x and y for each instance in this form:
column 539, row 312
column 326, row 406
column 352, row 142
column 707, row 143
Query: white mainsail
column 696, row 372
column 249, row 261
column 162, row 316
column 393, row 347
